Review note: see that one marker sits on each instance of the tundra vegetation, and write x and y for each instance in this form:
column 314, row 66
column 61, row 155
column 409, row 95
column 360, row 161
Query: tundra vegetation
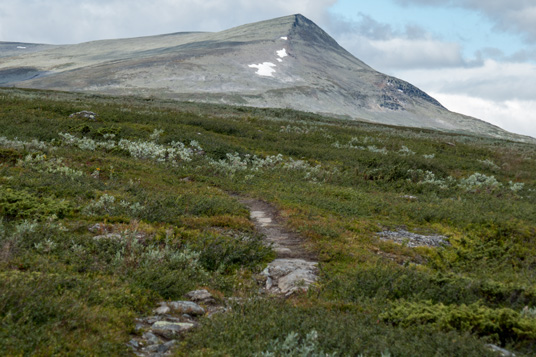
column 102, row 218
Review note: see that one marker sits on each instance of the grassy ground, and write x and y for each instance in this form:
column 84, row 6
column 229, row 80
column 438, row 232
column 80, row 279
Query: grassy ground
column 159, row 175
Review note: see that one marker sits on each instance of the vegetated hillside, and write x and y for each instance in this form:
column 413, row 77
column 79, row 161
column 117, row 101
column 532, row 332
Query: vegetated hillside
column 287, row 62
column 165, row 178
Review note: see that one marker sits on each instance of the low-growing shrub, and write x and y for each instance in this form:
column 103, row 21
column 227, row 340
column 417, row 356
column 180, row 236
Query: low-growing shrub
column 20, row 204
column 227, row 253
column 503, row 325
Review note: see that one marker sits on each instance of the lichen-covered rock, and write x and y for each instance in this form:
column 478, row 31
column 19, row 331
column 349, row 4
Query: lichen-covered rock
column 200, row 296
column 289, row 275
column 413, row 239
column 169, row 330
column 186, row 307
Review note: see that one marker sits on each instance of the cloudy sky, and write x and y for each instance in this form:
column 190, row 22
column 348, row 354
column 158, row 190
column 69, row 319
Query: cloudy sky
column 477, row 57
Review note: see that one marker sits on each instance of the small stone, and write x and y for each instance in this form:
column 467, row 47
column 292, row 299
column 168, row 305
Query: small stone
column 97, row 227
column 111, row 236
column 169, row 330
column 200, row 296
column 162, row 310
column 163, row 348
column 186, row 307
column 134, row 344
column 502, row 351
column 151, row 338
column 84, row 114
column 152, row 348
column 150, row 320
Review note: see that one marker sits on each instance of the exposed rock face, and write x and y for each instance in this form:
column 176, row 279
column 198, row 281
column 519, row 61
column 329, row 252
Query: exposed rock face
column 286, row 276
column 413, row 240
column 288, row 62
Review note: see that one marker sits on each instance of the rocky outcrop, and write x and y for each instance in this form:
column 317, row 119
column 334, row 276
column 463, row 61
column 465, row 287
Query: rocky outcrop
column 287, row 276
column 413, row 240
column 157, row 334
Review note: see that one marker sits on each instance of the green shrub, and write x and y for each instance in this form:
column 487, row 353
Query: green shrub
column 17, row 204
column 227, row 253
column 502, row 325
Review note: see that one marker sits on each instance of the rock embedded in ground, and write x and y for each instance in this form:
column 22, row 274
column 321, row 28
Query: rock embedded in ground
column 84, row 114
column 162, row 310
column 150, row 338
column 413, row 240
column 170, row 330
column 201, row 296
column 186, row 307
column 111, row 236
column 287, row 276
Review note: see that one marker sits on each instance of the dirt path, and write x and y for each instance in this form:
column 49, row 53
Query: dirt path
column 295, row 268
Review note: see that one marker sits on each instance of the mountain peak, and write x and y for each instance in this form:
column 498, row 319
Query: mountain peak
column 287, row 62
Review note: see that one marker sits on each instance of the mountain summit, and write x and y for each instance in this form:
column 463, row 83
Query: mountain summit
column 288, row 62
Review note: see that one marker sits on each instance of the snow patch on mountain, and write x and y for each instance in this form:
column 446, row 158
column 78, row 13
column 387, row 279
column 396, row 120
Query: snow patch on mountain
column 282, row 53
column 264, row 69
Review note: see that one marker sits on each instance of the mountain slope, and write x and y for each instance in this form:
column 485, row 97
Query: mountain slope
column 287, row 62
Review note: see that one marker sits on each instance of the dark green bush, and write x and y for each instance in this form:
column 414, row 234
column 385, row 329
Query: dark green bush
column 22, row 204
column 503, row 325
column 227, row 253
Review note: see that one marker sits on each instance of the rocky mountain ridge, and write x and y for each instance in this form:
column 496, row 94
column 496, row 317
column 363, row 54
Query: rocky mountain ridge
column 288, row 62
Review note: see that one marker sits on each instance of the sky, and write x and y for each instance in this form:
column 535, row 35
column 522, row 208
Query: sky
column 477, row 57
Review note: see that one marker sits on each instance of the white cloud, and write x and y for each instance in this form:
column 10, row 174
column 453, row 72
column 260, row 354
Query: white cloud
column 517, row 16
column 500, row 93
column 421, row 53
column 67, row 21
column 395, row 53
column 492, row 80
column 387, row 48
column 516, row 116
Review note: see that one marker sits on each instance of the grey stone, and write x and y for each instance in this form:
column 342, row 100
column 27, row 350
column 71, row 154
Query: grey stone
column 84, row 114
column 151, row 338
column 150, row 320
column 163, row 348
column 162, row 310
column 501, row 351
column 98, row 227
column 133, row 343
column 200, row 296
column 299, row 279
column 169, row 330
column 152, row 348
column 413, row 240
column 116, row 236
column 186, row 307
column 289, row 275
